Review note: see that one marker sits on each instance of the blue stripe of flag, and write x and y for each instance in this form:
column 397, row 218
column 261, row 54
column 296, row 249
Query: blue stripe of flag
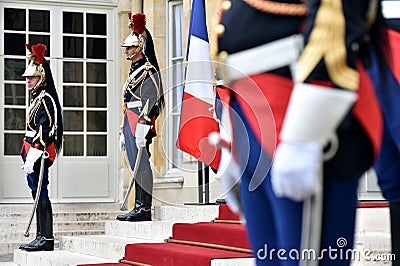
column 198, row 26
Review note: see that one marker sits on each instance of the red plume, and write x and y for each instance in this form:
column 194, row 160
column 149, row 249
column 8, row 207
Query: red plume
column 139, row 22
column 28, row 46
column 39, row 50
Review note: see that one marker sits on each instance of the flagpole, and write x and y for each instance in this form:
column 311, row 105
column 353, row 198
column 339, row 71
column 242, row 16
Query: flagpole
column 207, row 184
column 200, row 180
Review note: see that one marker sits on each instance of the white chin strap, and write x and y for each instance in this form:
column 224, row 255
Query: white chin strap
column 138, row 49
column 39, row 83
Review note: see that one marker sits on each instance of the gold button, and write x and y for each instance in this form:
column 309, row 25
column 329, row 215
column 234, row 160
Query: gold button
column 220, row 29
column 226, row 5
column 222, row 56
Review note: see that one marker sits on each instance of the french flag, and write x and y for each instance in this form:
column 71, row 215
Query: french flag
column 197, row 112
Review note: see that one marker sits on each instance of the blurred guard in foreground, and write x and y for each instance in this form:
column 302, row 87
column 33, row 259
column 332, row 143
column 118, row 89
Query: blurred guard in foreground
column 387, row 87
column 322, row 110
column 44, row 132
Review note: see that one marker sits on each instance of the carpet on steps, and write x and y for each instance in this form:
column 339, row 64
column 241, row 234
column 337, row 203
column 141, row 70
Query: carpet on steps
column 225, row 213
column 198, row 244
column 104, row 264
column 233, row 235
column 167, row 254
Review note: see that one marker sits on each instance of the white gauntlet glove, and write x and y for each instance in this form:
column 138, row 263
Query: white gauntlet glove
column 32, row 156
column 229, row 176
column 311, row 120
column 121, row 138
column 121, row 142
column 140, row 135
column 295, row 172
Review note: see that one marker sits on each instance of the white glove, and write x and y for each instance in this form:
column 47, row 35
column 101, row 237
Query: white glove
column 31, row 158
column 296, row 169
column 229, row 176
column 28, row 167
column 140, row 135
column 312, row 117
column 121, row 142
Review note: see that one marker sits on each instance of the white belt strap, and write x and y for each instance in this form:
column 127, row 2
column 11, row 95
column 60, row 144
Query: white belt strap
column 134, row 104
column 391, row 9
column 30, row 134
column 267, row 57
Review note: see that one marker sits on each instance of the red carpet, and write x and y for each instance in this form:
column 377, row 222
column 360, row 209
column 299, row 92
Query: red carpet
column 168, row 254
column 225, row 213
column 233, row 235
column 193, row 244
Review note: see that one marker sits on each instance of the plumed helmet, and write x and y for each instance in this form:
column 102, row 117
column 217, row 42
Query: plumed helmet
column 35, row 55
column 137, row 23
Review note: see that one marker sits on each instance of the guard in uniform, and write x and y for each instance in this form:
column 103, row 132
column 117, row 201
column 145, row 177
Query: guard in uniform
column 387, row 87
column 44, row 131
column 143, row 100
column 313, row 102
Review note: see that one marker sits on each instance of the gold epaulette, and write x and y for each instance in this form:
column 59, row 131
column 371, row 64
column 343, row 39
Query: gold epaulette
column 327, row 42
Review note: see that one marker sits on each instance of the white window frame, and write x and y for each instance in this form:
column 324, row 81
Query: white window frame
column 173, row 163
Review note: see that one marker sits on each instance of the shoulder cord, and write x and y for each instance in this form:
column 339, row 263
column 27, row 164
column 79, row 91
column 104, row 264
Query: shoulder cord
column 277, row 8
column 131, row 78
column 34, row 107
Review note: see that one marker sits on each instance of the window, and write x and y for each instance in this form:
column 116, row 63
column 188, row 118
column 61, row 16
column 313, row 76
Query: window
column 83, row 89
column 175, row 83
column 21, row 26
column 84, row 83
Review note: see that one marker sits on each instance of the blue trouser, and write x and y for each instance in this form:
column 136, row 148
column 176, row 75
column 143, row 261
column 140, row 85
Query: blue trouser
column 275, row 223
column 144, row 178
column 33, row 180
column 131, row 149
column 387, row 167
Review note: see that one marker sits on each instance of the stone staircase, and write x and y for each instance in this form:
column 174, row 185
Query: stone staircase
column 92, row 235
column 108, row 245
column 69, row 220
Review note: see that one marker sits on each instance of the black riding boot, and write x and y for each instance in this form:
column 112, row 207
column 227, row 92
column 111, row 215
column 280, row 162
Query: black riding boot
column 46, row 241
column 395, row 231
column 38, row 235
column 143, row 213
column 123, row 217
column 138, row 204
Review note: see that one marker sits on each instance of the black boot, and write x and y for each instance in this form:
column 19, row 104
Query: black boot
column 144, row 211
column 46, row 241
column 395, row 231
column 38, row 234
column 123, row 217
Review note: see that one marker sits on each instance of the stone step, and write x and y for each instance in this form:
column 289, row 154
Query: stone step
column 372, row 249
column 63, row 216
column 55, row 258
column 57, row 225
column 373, row 220
column 61, row 207
column 10, row 246
column 8, row 264
column 151, row 230
column 19, row 236
column 186, row 213
column 104, row 246
column 233, row 262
